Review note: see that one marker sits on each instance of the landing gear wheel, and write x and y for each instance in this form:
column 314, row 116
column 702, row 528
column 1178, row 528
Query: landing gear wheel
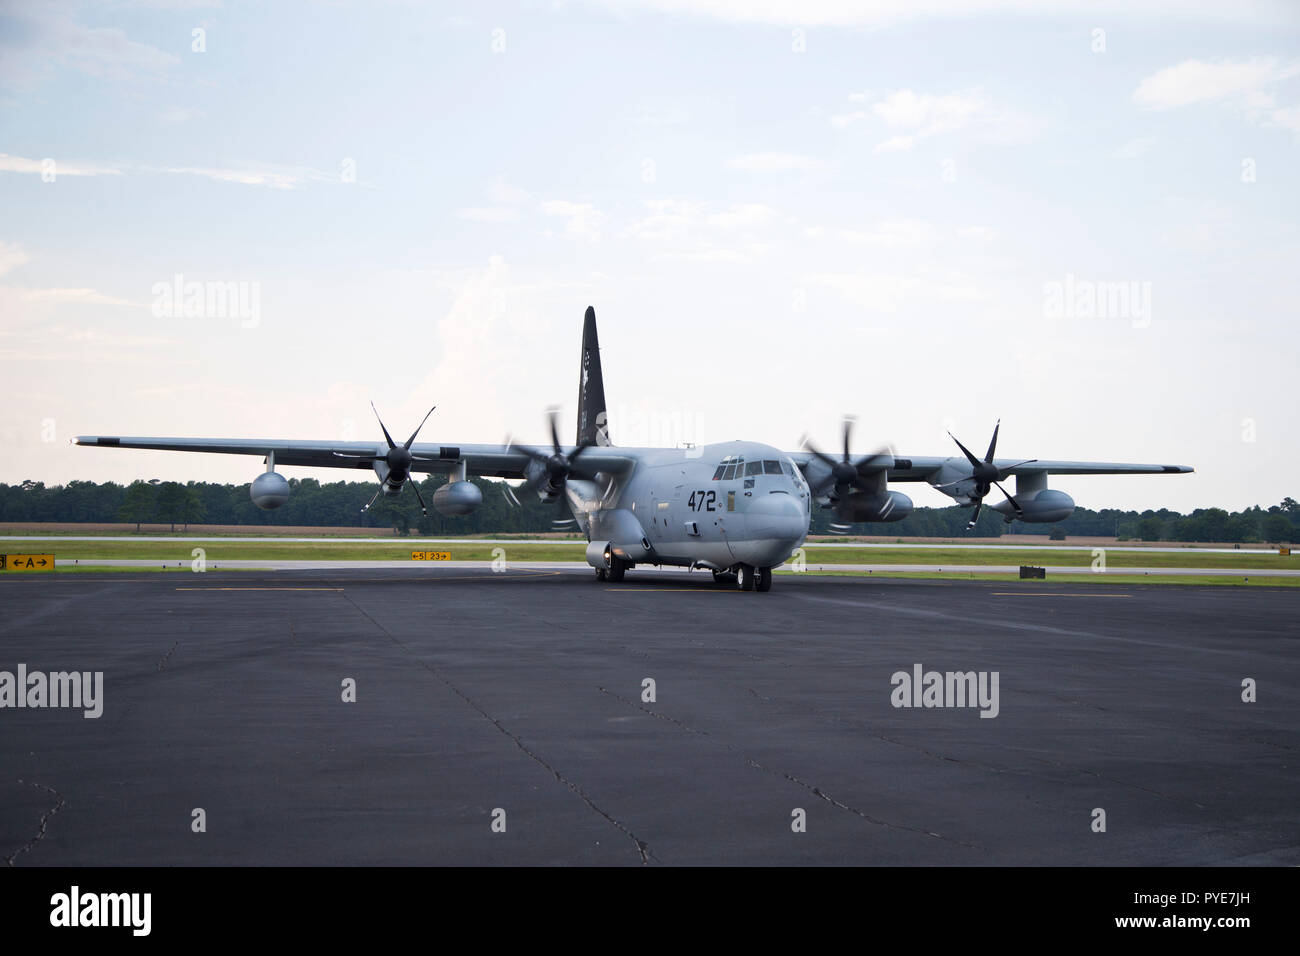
column 745, row 577
column 763, row 580
column 614, row 566
column 600, row 574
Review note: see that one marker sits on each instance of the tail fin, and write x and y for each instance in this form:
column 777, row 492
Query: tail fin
column 592, row 425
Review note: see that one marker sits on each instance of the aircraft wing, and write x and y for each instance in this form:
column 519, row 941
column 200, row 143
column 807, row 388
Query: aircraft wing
column 921, row 469
column 493, row 461
column 927, row 468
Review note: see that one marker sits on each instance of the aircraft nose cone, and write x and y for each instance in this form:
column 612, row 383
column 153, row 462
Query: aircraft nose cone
column 777, row 516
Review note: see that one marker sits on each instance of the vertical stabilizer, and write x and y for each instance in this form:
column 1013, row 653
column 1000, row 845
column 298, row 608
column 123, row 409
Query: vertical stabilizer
column 593, row 428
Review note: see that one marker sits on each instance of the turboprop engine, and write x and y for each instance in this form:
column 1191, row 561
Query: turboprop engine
column 884, row 506
column 1039, row 507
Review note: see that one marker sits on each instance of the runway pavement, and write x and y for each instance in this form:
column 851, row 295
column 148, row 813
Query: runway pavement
column 295, row 564
column 520, row 697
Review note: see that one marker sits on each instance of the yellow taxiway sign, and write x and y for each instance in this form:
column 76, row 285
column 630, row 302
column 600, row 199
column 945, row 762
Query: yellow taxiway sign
column 26, row 562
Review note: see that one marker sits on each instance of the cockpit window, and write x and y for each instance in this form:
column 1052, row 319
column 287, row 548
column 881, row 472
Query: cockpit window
column 771, row 468
column 754, row 468
column 785, row 467
column 718, row 474
column 730, row 473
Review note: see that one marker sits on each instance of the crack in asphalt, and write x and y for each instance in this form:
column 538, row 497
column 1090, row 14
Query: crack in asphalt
column 166, row 658
column 1119, row 780
column 968, row 621
column 815, row 790
column 979, row 765
column 642, row 847
column 16, row 624
column 44, row 824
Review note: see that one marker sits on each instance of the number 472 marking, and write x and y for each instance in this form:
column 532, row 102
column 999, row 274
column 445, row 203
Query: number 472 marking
column 703, row 500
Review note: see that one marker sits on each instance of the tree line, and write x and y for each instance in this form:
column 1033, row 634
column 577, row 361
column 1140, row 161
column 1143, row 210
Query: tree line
column 339, row 504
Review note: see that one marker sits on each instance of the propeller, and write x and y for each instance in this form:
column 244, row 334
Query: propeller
column 846, row 473
column 985, row 475
column 398, row 458
column 557, row 467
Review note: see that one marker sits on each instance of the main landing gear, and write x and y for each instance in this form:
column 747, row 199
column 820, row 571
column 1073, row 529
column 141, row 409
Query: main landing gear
column 746, row 577
column 614, row 568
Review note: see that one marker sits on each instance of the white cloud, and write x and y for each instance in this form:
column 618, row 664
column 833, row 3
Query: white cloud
column 709, row 254
column 675, row 220
column 917, row 116
column 489, row 214
column 1241, row 84
column 877, row 13
column 45, row 38
column 74, row 296
column 275, row 177
column 12, row 256
column 741, row 216
column 661, row 116
column 928, row 111
column 895, row 143
column 496, row 347
column 179, row 114
column 669, row 220
column 582, row 220
column 893, row 292
column 902, row 232
column 774, row 163
column 60, row 167
column 504, row 204
column 843, row 120
column 503, row 194
column 1288, row 118
column 1134, row 148
column 703, row 232
column 1201, row 81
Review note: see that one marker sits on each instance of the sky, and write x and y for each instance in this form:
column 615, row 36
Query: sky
column 1077, row 217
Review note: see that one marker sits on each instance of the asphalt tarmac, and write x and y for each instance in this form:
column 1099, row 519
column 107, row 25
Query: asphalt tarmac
column 519, row 699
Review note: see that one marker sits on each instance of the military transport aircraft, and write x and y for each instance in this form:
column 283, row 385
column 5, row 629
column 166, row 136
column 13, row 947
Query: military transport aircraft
column 738, row 508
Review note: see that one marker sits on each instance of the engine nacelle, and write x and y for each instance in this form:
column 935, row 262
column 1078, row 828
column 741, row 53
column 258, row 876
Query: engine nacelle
column 269, row 490
column 886, row 506
column 599, row 554
column 457, row 498
column 1042, row 507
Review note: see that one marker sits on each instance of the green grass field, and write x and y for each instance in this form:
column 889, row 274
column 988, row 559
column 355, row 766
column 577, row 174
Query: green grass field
column 1054, row 557
column 176, row 553
column 233, row 549
column 551, row 550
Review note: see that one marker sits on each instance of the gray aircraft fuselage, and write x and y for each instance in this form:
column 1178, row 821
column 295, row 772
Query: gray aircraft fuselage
column 713, row 506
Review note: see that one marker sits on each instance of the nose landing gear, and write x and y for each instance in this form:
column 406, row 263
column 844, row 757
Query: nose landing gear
column 750, row 578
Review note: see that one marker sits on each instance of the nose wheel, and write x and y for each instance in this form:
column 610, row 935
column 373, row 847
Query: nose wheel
column 750, row 578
